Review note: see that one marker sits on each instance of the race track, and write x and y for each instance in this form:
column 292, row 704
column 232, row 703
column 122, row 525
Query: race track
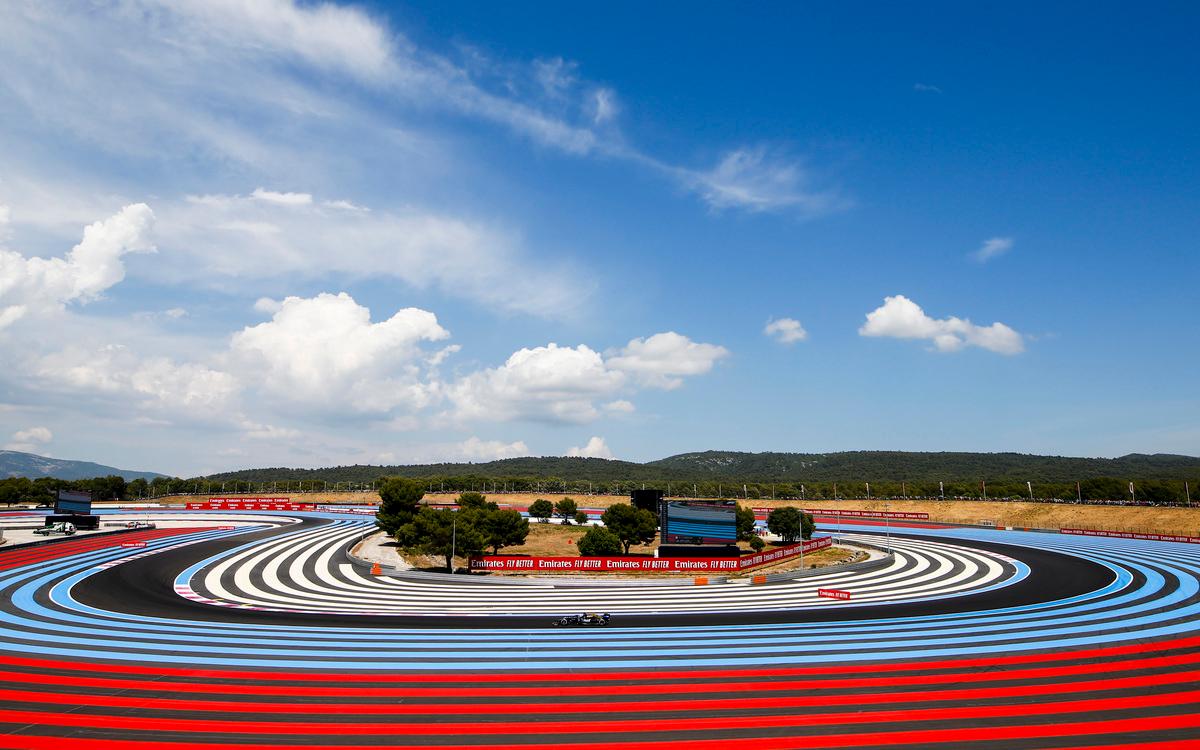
column 269, row 636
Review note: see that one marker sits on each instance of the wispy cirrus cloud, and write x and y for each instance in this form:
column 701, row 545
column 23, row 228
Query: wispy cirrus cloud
column 173, row 61
column 991, row 248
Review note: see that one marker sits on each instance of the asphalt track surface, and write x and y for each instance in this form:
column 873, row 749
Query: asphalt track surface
column 1080, row 642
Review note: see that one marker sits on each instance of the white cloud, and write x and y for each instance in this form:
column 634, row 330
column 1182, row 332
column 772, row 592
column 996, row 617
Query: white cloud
column 267, row 305
column 29, row 441
column 326, row 352
column 620, row 406
column 926, row 88
column 257, row 431
column 91, row 267
column 662, row 360
column 175, row 313
column 604, row 105
column 243, row 240
column 155, row 382
column 595, row 448
column 786, row 330
column 282, row 199
column 992, row 248
column 476, row 450
column 900, row 317
column 324, row 34
column 755, row 180
column 548, row 383
column 173, row 62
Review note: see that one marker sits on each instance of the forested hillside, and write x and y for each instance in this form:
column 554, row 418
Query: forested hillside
column 856, row 466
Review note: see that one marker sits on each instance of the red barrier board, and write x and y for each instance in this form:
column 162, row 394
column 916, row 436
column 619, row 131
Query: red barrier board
column 834, row 594
column 867, row 514
column 241, row 499
column 606, row 564
column 250, row 505
column 854, row 513
column 1133, row 535
column 639, row 564
column 784, row 553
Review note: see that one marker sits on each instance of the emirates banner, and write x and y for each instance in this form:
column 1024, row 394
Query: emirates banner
column 834, row 594
column 251, row 503
column 1133, row 535
column 646, row 564
column 854, row 513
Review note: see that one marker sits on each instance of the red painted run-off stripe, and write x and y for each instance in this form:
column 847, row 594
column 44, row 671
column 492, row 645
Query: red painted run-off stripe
column 18, row 556
column 589, row 726
column 976, row 665
column 701, row 704
column 910, row 737
column 1099, row 668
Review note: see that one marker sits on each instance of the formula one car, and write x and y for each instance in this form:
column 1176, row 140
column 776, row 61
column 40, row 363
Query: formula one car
column 139, row 525
column 62, row 527
column 587, row 618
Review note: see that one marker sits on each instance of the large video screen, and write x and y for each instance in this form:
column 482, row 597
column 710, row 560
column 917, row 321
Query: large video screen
column 699, row 523
column 73, row 502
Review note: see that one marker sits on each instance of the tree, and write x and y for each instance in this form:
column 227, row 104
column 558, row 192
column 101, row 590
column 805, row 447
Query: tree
column 399, row 501
column 581, row 518
column 541, row 510
column 630, row 524
column 475, row 501
column 566, row 508
column 111, row 487
column 442, row 532
column 745, row 523
column 599, row 542
column 503, row 528
column 790, row 524
column 757, row 544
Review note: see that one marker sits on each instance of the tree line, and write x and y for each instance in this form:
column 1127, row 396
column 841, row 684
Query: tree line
column 1095, row 490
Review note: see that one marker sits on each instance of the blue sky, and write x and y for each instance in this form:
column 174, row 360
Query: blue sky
column 333, row 233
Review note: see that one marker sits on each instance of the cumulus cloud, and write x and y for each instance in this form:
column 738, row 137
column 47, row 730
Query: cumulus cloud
column 595, row 448
column 620, row 406
column 992, row 248
column 901, row 318
column 926, row 88
column 664, row 359
column 564, row 384
column 91, row 267
column 325, row 350
column 29, row 441
column 786, row 330
column 549, row 383
column 154, row 382
column 474, row 449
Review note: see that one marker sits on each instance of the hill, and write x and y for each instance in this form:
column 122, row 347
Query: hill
column 734, row 466
column 32, row 466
